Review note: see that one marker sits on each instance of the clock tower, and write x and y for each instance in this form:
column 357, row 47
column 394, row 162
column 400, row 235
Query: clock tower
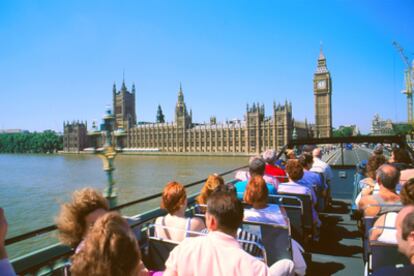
column 322, row 89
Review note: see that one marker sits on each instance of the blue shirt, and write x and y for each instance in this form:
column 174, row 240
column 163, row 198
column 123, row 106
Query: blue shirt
column 242, row 185
column 311, row 180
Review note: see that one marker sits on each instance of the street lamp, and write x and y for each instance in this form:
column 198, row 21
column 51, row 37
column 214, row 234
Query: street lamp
column 107, row 152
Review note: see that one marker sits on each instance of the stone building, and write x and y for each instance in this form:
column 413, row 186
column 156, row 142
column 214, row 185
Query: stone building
column 124, row 107
column 381, row 127
column 253, row 135
column 75, row 136
column 322, row 88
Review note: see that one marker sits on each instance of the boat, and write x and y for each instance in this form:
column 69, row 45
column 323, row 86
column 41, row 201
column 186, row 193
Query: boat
column 340, row 250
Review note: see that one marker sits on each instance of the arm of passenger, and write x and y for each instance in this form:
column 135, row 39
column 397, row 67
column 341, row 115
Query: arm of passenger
column 377, row 232
column 313, row 196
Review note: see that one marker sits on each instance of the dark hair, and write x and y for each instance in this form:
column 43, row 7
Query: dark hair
column 407, row 225
column 256, row 191
column 407, row 192
column 294, row 169
column 374, row 162
column 226, row 208
column 305, row 159
column 389, row 176
column 401, row 156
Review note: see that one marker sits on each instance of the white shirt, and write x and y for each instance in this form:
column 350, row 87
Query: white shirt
column 322, row 167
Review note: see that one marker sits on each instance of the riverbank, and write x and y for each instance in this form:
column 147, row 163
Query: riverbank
column 163, row 153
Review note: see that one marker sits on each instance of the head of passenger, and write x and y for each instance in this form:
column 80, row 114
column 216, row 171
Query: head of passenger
column 405, row 231
column 306, row 161
column 290, row 154
column 399, row 155
column 79, row 215
column 317, row 153
column 110, row 248
column 256, row 192
column 294, row 170
column 388, row 177
column 374, row 162
column 270, row 157
column 257, row 166
column 224, row 211
column 407, row 192
column 174, row 198
column 213, row 181
column 379, row 149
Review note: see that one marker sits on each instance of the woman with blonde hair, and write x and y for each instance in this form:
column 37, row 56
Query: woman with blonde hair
column 79, row 215
column 110, row 248
column 213, row 181
column 175, row 226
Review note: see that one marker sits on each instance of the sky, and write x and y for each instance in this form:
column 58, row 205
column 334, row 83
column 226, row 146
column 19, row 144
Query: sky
column 59, row 59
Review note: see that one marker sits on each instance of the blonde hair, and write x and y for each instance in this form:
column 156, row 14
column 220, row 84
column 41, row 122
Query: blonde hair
column 110, row 248
column 71, row 219
column 213, row 181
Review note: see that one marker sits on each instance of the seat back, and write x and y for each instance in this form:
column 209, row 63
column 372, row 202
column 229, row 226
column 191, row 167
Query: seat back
column 384, row 254
column 294, row 210
column 158, row 253
column 368, row 223
column 307, row 208
column 276, row 240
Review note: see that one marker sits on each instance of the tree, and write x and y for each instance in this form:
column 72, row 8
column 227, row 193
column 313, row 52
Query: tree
column 44, row 142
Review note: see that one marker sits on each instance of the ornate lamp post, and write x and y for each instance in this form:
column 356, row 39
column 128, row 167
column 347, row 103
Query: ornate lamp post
column 108, row 152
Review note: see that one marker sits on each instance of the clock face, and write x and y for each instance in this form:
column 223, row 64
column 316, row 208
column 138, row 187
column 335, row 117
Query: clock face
column 321, row 84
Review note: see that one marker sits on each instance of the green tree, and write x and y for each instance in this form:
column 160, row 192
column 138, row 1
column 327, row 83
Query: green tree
column 44, row 142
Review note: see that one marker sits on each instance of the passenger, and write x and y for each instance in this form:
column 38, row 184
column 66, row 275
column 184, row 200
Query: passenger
column 387, row 177
column 320, row 166
column 256, row 167
column 290, row 154
column 219, row 253
column 6, row 269
column 110, row 248
column 369, row 184
column 378, row 150
column 77, row 217
column 405, row 238
column 271, row 168
column 310, row 179
column 175, row 224
column 213, row 181
column 400, row 158
column 257, row 196
column 388, row 219
column 295, row 172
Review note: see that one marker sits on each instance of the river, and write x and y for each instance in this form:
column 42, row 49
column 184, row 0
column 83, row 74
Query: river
column 34, row 186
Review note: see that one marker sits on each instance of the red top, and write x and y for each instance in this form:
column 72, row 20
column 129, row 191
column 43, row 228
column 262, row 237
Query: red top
column 277, row 172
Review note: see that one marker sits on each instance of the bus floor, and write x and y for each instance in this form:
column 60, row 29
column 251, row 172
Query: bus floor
column 339, row 250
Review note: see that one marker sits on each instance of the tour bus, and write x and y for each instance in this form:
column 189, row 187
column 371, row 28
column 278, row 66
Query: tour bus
column 343, row 246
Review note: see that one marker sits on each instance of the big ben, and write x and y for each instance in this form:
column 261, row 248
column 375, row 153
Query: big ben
column 322, row 89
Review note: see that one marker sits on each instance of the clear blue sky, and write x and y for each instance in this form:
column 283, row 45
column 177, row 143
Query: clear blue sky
column 59, row 59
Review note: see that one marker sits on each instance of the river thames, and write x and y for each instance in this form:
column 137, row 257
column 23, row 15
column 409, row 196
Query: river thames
column 34, row 186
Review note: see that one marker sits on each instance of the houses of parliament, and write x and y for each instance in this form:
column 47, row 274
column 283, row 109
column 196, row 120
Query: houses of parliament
column 256, row 133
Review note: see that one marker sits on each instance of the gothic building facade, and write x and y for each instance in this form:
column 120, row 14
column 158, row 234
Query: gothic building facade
column 75, row 137
column 322, row 88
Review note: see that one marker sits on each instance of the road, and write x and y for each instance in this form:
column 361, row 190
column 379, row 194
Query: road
column 351, row 157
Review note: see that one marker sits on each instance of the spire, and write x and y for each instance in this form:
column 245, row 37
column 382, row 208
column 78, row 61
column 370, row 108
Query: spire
column 114, row 88
column 321, row 55
column 133, row 88
column 160, row 115
column 180, row 94
column 123, row 88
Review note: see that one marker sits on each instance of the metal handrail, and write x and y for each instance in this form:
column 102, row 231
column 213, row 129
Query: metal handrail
column 50, row 228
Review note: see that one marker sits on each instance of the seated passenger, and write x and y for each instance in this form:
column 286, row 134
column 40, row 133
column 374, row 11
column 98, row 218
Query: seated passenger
column 77, row 217
column 389, row 219
column 320, row 166
column 257, row 196
column 110, row 248
column 174, row 200
column 6, row 269
column 213, row 181
column 405, row 238
column 218, row 253
column 368, row 184
column 387, row 177
column 310, row 179
column 271, row 168
column 256, row 167
column 400, row 158
column 295, row 172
